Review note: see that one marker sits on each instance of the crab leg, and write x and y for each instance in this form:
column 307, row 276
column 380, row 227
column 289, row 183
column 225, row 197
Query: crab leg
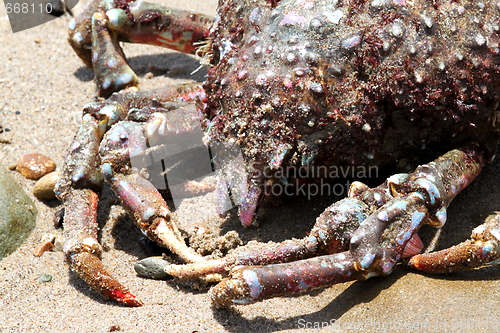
column 481, row 250
column 78, row 189
column 376, row 246
column 331, row 234
column 254, row 283
column 150, row 212
column 83, row 251
column 128, row 141
column 135, row 22
column 111, row 70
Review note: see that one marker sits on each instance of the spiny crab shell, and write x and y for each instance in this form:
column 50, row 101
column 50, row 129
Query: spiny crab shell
column 350, row 82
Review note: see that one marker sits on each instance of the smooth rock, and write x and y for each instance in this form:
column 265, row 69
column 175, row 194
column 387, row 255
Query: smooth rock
column 152, row 268
column 17, row 214
column 44, row 187
column 35, row 166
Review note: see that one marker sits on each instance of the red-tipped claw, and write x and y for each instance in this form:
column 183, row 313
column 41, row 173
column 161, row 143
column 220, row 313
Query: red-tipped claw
column 126, row 298
column 83, row 250
column 92, row 271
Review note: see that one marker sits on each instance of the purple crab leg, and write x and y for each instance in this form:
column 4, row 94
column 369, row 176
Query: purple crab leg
column 330, row 234
column 481, row 250
column 251, row 284
column 376, row 246
column 112, row 22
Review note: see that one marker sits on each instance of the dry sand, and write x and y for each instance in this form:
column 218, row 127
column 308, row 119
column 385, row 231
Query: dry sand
column 44, row 87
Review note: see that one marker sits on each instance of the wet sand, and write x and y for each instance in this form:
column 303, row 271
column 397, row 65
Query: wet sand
column 44, row 87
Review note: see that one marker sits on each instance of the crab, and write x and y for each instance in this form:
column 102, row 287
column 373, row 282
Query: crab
column 293, row 84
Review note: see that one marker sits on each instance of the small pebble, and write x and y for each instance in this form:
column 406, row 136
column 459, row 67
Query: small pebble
column 44, row 187
column 35, row 166
column 152, row 267
column 46, row 244
column 45, row 277
column 41, row 248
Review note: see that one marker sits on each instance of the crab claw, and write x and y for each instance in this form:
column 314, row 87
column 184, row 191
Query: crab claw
column 482, row 249
column 150, row 212
column 83, row 251
column 88, row 266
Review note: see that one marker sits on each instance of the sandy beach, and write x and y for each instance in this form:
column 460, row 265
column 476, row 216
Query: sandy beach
column 44, row 87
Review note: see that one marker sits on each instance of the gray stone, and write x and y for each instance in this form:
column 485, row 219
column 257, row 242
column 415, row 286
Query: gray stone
column 17, row 214
column 152, row 267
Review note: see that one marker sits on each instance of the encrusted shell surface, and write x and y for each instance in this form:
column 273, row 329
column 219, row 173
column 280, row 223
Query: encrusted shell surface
column 353, row 82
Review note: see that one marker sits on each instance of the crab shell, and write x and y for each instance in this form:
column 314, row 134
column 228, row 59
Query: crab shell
column 343, row 83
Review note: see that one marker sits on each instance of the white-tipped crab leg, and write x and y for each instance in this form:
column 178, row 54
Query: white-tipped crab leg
column 124, row 149
column 150, row 212
column 331, row 234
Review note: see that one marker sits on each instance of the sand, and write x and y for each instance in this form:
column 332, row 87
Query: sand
column 44, row 87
